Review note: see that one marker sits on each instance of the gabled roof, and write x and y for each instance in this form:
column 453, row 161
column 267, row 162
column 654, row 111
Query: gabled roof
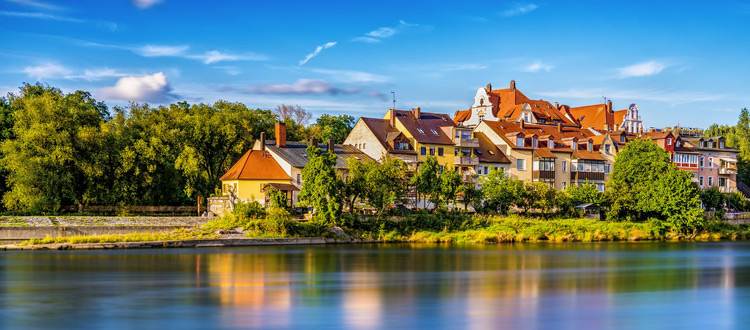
column 256, row 165
column 593, row 116
column 381, row 128
column 620, row 116
column 430, row 125
column 490, row 153
column 507, row 128
column 585, row 154
column 295, row 153
column 461, row 116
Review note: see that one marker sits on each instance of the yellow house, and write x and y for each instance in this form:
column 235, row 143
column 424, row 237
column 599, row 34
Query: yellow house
column 252, row 175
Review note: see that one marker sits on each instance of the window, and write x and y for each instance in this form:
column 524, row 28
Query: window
column 551, row 143
column 574, row 166
column 481, row 118
column 607, row 148
column 721, row 145
column 423, row 151
column 564, row 166
column 710, row 164
column 534, row 143
column 455, row 152
column 700, row 144
column 575, row 146
column 420, row 130
column 722, row 182
column 440, row 151
column 519, row 142
column 299, row 178
column 669, row 141
column 363, row 145
column 590, row 146
column 607, row 168
column 479, row 171
column 434, row 131
column 432, row 151
column 622, row 138
column 545, row 164
column 700, row 181
column 710, row 181
column 521, row 164
column 565, row 185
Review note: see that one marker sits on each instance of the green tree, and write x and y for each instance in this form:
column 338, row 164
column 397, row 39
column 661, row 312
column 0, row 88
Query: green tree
column 587, row 193
column 712, row 198
column 427, row 182
column 500, row 192
column 538, row 195
column 336, row 128
column 53, row 159
column 321, row 188
column 680, row 201
column 356, row 180
column 450, row 185
column 473, row 197
column 385, row 183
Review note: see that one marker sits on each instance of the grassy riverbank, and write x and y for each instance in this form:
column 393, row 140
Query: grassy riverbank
column 431, row 228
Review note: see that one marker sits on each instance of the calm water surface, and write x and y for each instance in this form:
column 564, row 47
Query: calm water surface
column 522, row 286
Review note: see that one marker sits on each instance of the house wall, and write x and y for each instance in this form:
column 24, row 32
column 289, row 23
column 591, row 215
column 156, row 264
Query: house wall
column 481, row 107
column 512, row 154
column 247, row 190
column 561, row 176
column 711, row 168
column 363, row 139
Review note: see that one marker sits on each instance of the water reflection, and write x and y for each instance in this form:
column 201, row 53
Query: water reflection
column 534, row 286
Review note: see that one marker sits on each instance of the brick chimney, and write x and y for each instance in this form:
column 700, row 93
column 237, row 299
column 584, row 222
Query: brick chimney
column 609, row 105
column 331, row 145
column 314, row 142
column 262, row 140
column 512, row 85
column 557, row 106
column 488, row 88
column 417, row 112
column 392, row 117
column 280, row 134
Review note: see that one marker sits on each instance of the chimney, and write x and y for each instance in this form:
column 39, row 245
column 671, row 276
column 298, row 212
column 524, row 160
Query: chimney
column 280, row 135
column 617, row 127
column 557, row 106
column 417, row 112
column 262, row 140
column 392, row 117
column 331, row 145
column 521, row 123
column 512, row 85
column 488, row 88
column 609, row 105
column 314, row 142
column 653, row 130
column 559, row 127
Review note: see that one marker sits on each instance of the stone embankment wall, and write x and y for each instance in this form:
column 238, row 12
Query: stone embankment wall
column 27, row 233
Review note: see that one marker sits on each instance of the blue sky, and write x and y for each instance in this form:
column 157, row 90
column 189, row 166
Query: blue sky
column 681, row 62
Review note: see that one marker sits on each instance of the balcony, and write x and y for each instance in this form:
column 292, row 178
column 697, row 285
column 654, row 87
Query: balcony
column 466, row 143
column 542, row 174
column 727, row 171
column 591, row 176
column 466, row 161
column 727, row 190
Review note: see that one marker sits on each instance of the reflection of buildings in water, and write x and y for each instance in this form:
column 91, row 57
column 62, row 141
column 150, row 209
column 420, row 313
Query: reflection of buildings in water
column 362, row 302
column 250, row 286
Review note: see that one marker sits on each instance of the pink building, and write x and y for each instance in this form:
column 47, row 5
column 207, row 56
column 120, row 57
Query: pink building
column 712, row 163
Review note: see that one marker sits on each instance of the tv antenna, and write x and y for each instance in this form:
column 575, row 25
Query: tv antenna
column 394, row 100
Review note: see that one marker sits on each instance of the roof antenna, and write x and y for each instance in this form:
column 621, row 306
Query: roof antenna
column 605, row 99
column 394, row 100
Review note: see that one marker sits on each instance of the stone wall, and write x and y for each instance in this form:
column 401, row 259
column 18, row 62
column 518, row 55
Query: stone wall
column 26, row 233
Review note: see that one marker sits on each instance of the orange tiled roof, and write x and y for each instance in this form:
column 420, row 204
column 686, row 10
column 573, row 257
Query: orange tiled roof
column 505, row 103
column 620, row 116
column 256, row 165
column 593, row 116
column 585, row 154
column 505, row 128
column 461, row 116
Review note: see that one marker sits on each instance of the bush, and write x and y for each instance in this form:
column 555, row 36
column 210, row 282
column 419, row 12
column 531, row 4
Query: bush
column 251, row 210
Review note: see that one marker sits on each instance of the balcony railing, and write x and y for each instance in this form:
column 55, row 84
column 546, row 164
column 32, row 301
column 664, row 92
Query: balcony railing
column 471, row 161
column 727, row 190
column 466, row 143
column 723, row 170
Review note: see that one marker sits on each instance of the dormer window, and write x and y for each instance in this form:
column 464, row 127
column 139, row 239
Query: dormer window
column 519, row 141
column 700, row 143
column 534, row 143
column 551, row 143
column 622, row 138
column 721, row 145
column 575, row 146
column 607, row 148
column 591, row 146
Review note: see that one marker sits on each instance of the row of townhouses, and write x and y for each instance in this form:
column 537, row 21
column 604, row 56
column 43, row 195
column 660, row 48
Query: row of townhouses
column 532, row 140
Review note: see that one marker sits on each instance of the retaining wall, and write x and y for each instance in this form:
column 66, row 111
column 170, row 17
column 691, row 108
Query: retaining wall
column 26, row 233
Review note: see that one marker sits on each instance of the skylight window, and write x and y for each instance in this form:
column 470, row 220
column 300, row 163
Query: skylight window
column 420, row 130
column 434, row 131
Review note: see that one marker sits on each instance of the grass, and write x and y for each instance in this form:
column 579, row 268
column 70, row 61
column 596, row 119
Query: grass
column 13, row 222
column 432, row 228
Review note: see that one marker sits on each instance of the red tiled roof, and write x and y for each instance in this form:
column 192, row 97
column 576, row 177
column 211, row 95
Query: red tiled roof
column 490, row 152
column 506, row 102
column 256, row 165
column 620, row 116
column 593, row 116
column 544, row 153
column 430, row 125
column 461, row 116
column 585, row 154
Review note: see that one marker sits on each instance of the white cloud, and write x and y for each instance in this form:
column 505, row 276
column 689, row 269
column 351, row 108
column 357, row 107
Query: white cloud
column 301, row 87
column 42, row 16
column 160, row 50
column 379, row 34
column 47, row 70
column 649, row 68
column 144, row 4
column 98, row 74
column 353, row 76
column 230, row 70
column 215, row 56
column 536, row 67
column 149, row 88
column 519, row 9
column 317, row 51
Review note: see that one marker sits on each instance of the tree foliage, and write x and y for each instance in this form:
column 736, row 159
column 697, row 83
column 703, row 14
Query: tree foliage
column 500, row 192
column 426, row 180
column 321, row 188
column 335, row 128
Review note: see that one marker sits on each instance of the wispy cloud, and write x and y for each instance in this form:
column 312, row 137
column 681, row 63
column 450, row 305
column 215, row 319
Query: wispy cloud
column 47, row 70
column 182, row 51
column 633, row 95
column 316, row 52
column 36, row 4
column 230, row 70
column 519, row 9
column 302, row 87
column 144, row 4
column 161, row 50
column 148, row 88
column 537, row 66
column 351, row 76
column 649, row 68
column 215, row 56
column 379, row 34
column 42, row 16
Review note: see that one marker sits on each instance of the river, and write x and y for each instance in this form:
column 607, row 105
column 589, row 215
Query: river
column 509, row 286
